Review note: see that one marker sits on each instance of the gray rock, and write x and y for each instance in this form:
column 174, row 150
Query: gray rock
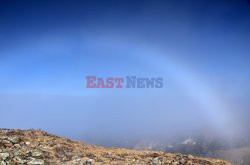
column 18, row 160
column 13, row 139
column 4, row 156
column 3, row 163
column 156, row 160
column 36, row 161
column 36, row 153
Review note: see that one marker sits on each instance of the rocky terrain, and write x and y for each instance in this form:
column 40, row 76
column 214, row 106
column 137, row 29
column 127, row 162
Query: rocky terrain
column 36, row 147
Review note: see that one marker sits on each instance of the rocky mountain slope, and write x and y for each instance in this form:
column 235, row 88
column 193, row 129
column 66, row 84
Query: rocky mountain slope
column 38, row 147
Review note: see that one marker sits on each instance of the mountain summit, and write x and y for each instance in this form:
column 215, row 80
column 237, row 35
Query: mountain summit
column 37, row 147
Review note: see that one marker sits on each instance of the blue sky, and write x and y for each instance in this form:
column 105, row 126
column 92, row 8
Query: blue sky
column 200, row 48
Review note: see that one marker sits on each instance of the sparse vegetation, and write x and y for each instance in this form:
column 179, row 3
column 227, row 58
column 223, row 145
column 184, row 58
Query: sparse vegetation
column 38, row 147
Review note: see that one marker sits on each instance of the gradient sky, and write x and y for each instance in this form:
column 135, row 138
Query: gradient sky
column 200, row 48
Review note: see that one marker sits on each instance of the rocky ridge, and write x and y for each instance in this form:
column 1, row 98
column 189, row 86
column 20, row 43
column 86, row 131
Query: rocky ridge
column 37, row 147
